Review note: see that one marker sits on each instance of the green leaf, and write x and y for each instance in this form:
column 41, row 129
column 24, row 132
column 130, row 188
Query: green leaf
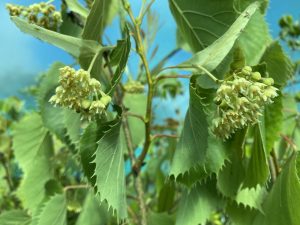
column 281, row 204
column 273, row 122
column 72, row 123
column 279, row 66
column 136, row 103
column 88, row 146
column 240, row 5
column 193, row 143
column 166, row 197
column 99, row 16
column 33, row 149
column 197, row 205
column 255, row 39
column 252, row 198
column 69, row 26
column 54, row 211
column 239, row 215
column 233, row 173
column 119, row 57
column 181, row 42
column 75, row 46
column 92, row 213
column 257, row 171
column 198, row 153
column 213, row 55
column 14, row 217
column 160, row 218
column 76, row 7
column 96, row 20
column 110, row 171
column 201, row 22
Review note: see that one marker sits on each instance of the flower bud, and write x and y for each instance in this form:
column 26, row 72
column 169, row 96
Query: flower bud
column 268, row 81
column 256, row 76
column 240, row 102
column 246, row 71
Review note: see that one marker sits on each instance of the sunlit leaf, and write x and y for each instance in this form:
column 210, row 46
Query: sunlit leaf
column 198, row 153
column 254, row 39
column 273, row 122
column 232, row 174
column 257, row 171
column 119, row 57
column 281, row 204
column 92, row 213
column 213, row 55
column 15, row 217
column 75, row 6
column 110, row 170
column 201, row 22
column 197, row 205
column 54, row 211
column 75, row 46
column 33, row 149
column 279, row 66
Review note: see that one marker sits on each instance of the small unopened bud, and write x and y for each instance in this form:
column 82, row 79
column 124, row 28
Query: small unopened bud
column 247, row 70
column 268, row 81
column 105, row 99
column 85, row 104
column 256, row 76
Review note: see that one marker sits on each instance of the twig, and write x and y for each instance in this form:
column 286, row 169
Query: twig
column 7, row 176
column 133, row 215
column 148, row 117
column 78, row 186
column 164, row 136
column 135, row 115
column 272, row 169
column 289, row 141
column 142, row 205
column 157, row 79
column 275, row 162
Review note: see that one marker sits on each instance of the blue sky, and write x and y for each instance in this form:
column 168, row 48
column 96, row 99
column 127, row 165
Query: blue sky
column 23, row 57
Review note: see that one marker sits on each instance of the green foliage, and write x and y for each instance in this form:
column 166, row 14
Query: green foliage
column 126, row 165
column 75, row 46
column 92, row 213
column 15, row 217
column 198, row 204
column 53, row 211
column 119, row 57
column 33, row 148
column 202, row 22
column 213, row 55
column 257, row 171
column 76, row 7
column 109, row 171
column 279, row 65
column 280, row 206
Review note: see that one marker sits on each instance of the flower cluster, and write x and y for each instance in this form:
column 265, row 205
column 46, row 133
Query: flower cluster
column 134, row 87
column 241, row 100
column 41, row 14
column 80, row 92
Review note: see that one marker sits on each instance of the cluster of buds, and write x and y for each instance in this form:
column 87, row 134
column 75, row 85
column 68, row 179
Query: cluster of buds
column 134, row 87
column 42, row 14
column 80, row 92
column 241, row 100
